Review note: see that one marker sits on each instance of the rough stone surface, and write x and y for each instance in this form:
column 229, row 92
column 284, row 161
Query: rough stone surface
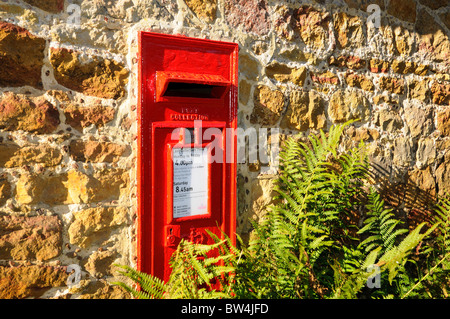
column 250, row 14
column 433, row 41
column 23, row 238
column 394, row 85
column 347, row 105
column 99, row 77
column 31, row 114
column 53, row 6
column 21, row 57
column 5, row 190
column 306, row 110
column 443, row 176
column 205, row 10
column 388, row 120
column 349, row 30
column 73, row 187
column 283, row 73
column 80, row 117
column 403, row 9
column 426, row 152
column 100, row 263
column 312, row 26
column 29, row 281
column 378, row 66
column 11, row 155
column 101, row 289
column 425, row 185
column 443, row 122
column 440, row 93
column 325, row 77
column 95, row 151
column 419, row 121
column 95, row 222
column 402, row 155
column 419, row 90
column 268, row 105
column 359, row 81
column 351, row 62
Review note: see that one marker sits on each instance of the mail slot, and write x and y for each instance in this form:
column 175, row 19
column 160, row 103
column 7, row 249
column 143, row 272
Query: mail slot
column 186, row 154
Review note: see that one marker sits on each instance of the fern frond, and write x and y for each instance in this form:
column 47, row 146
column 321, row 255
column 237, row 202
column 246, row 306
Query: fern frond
column 150, row 287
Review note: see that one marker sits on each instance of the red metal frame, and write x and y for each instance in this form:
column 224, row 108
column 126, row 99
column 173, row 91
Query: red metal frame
column 164, row 59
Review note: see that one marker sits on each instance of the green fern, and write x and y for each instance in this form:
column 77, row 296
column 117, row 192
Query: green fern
column 197, row 272
column 381, row 226
column 148, row 287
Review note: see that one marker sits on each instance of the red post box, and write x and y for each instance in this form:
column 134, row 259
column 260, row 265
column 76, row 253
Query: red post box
column 186, row 158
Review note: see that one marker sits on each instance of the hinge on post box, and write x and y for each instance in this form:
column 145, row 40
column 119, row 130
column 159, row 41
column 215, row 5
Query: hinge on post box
column 172, row 235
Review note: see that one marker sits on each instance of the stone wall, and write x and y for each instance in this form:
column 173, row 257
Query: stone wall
column 68, row 114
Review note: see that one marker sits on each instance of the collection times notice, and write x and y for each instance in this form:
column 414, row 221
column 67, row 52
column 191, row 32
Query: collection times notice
column 190, row 181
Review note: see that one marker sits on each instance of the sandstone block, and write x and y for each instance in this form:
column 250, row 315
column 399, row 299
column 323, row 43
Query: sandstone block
column 102, row 289
column 29, row 281
column 388, row 120
column 35, row 115
column 29, row 189
column 426, row 152
column 283, row 73
column 443, row 122
column 94, row 151
column 440, row 93
column 403, row 67
column 378, row 66
column 402, row 155
column 80, row 117
column 23, row 238
column 278, row 71
column 205, row 10
column 351, row 62
column 419, row 121
column 325, row 77
column 443, row 176
column 312, row 26
column 394, row 85
column 99, row 77
column 268, row 105
column 244, row 91
column 92, row 223
column 52, row 6
column 433, row 40
column 100, row 263
column 248, row 66
column 262, row 195
column 422, row 185
column 346, row 105
column 5, row 190
column 21, row 57
column 250, row 14
column 404, row 40
column 349, row 30
column 73, row 187
column 362, row 4
column 403, row 9
column 359, row 81
column 11, row 155
column 418, row 89
column 306, row 110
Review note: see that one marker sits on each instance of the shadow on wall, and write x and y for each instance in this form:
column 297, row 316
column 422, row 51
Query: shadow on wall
column 412, row 197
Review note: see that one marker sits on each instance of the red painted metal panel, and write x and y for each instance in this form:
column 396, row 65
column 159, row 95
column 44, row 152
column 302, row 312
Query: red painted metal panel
column 182, row 81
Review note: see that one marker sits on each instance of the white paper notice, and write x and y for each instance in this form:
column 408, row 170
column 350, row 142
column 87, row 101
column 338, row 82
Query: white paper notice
column 190, row 182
